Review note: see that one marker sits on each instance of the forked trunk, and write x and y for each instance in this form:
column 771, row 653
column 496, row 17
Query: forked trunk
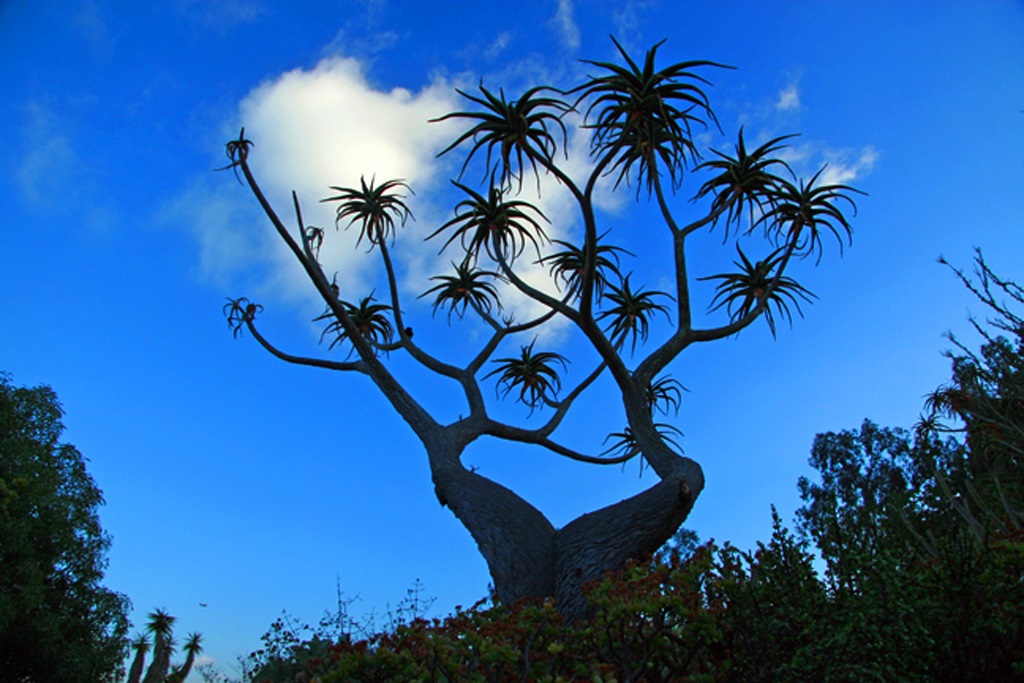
column 529, row 558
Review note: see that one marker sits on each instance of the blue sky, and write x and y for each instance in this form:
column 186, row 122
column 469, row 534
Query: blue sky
column 249, row 485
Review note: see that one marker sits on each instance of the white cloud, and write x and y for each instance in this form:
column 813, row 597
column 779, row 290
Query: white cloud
column 566, row 25
column 788, row 98
column 329, row 126
column 846, row 166
column 841, row 166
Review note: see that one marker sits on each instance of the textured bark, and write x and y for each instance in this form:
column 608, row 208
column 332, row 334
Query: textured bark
column 514, row 537
column 528, row 558
column 138, row 662
column 598, row 542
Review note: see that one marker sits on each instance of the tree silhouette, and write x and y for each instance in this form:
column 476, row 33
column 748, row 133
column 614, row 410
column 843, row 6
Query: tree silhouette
column 643, row 121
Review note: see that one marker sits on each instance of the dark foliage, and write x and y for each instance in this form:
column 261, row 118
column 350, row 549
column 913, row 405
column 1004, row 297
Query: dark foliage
column 918, row 573
column 57, row 623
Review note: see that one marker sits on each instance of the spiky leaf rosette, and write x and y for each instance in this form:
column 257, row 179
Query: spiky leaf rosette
column 514, row 133
column 630, row 313
column 643, row 115
column 741, row 292
column 664, row 394
column 800, row 213
column 568, row 266
column 744, row 183
column 371, row 320
column 533, row 375
column 239, row 312
column 624, row 443
column 469, row 286
column 376, row 208
column 494, row 225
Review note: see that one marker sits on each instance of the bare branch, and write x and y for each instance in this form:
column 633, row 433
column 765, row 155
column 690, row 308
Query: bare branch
column 356, row 366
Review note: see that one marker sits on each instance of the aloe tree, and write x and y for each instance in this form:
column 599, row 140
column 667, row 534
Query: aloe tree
column 193, row 646
column 140, row 645
column 161, row 625
column 643, row 121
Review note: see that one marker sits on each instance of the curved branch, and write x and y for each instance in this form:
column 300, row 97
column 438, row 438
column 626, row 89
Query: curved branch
column 405, row 339
column 302, row 360
column 417, row 417
column 559, row 305
column 509, row 432
column 562, row 407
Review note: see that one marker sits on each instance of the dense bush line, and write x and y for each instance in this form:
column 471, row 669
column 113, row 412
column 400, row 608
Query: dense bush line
column 907, row 565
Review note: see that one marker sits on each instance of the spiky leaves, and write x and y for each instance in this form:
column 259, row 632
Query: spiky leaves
column 744, row 183
column 533, row 375
column 800, row 213
column 644, row 115
column 568, row 266
column 238, row 152
column 193, row 646
column 630, row 313
column 161, row 625
column 371, row 320
column 514, row 133
column 662, row 396
column 376, row 208
column 756, row 284
column 468, row 287
column 140, row 645
column 240, row 312
column 494, row 225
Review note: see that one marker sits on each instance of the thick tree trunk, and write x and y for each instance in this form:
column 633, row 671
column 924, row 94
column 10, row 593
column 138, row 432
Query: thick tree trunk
column 529, row 558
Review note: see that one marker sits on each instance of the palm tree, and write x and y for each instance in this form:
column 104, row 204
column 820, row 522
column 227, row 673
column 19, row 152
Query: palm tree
column 161, row 625
column 141, row 646
column 193, row 646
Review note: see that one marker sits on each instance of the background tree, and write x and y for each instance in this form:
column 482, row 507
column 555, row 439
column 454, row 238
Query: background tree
column 57, row 623
column 642, row 120
column 923, row 534
column 161, row 626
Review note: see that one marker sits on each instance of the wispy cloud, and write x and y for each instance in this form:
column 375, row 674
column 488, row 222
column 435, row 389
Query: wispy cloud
column 837, row 165
column 788, row 99
column 627, row 18
column 847, row 166
column 49, row 155
column 565, row 23
column 498, row 45
column 221, row 14
column 91, row 25
column 49, row 160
